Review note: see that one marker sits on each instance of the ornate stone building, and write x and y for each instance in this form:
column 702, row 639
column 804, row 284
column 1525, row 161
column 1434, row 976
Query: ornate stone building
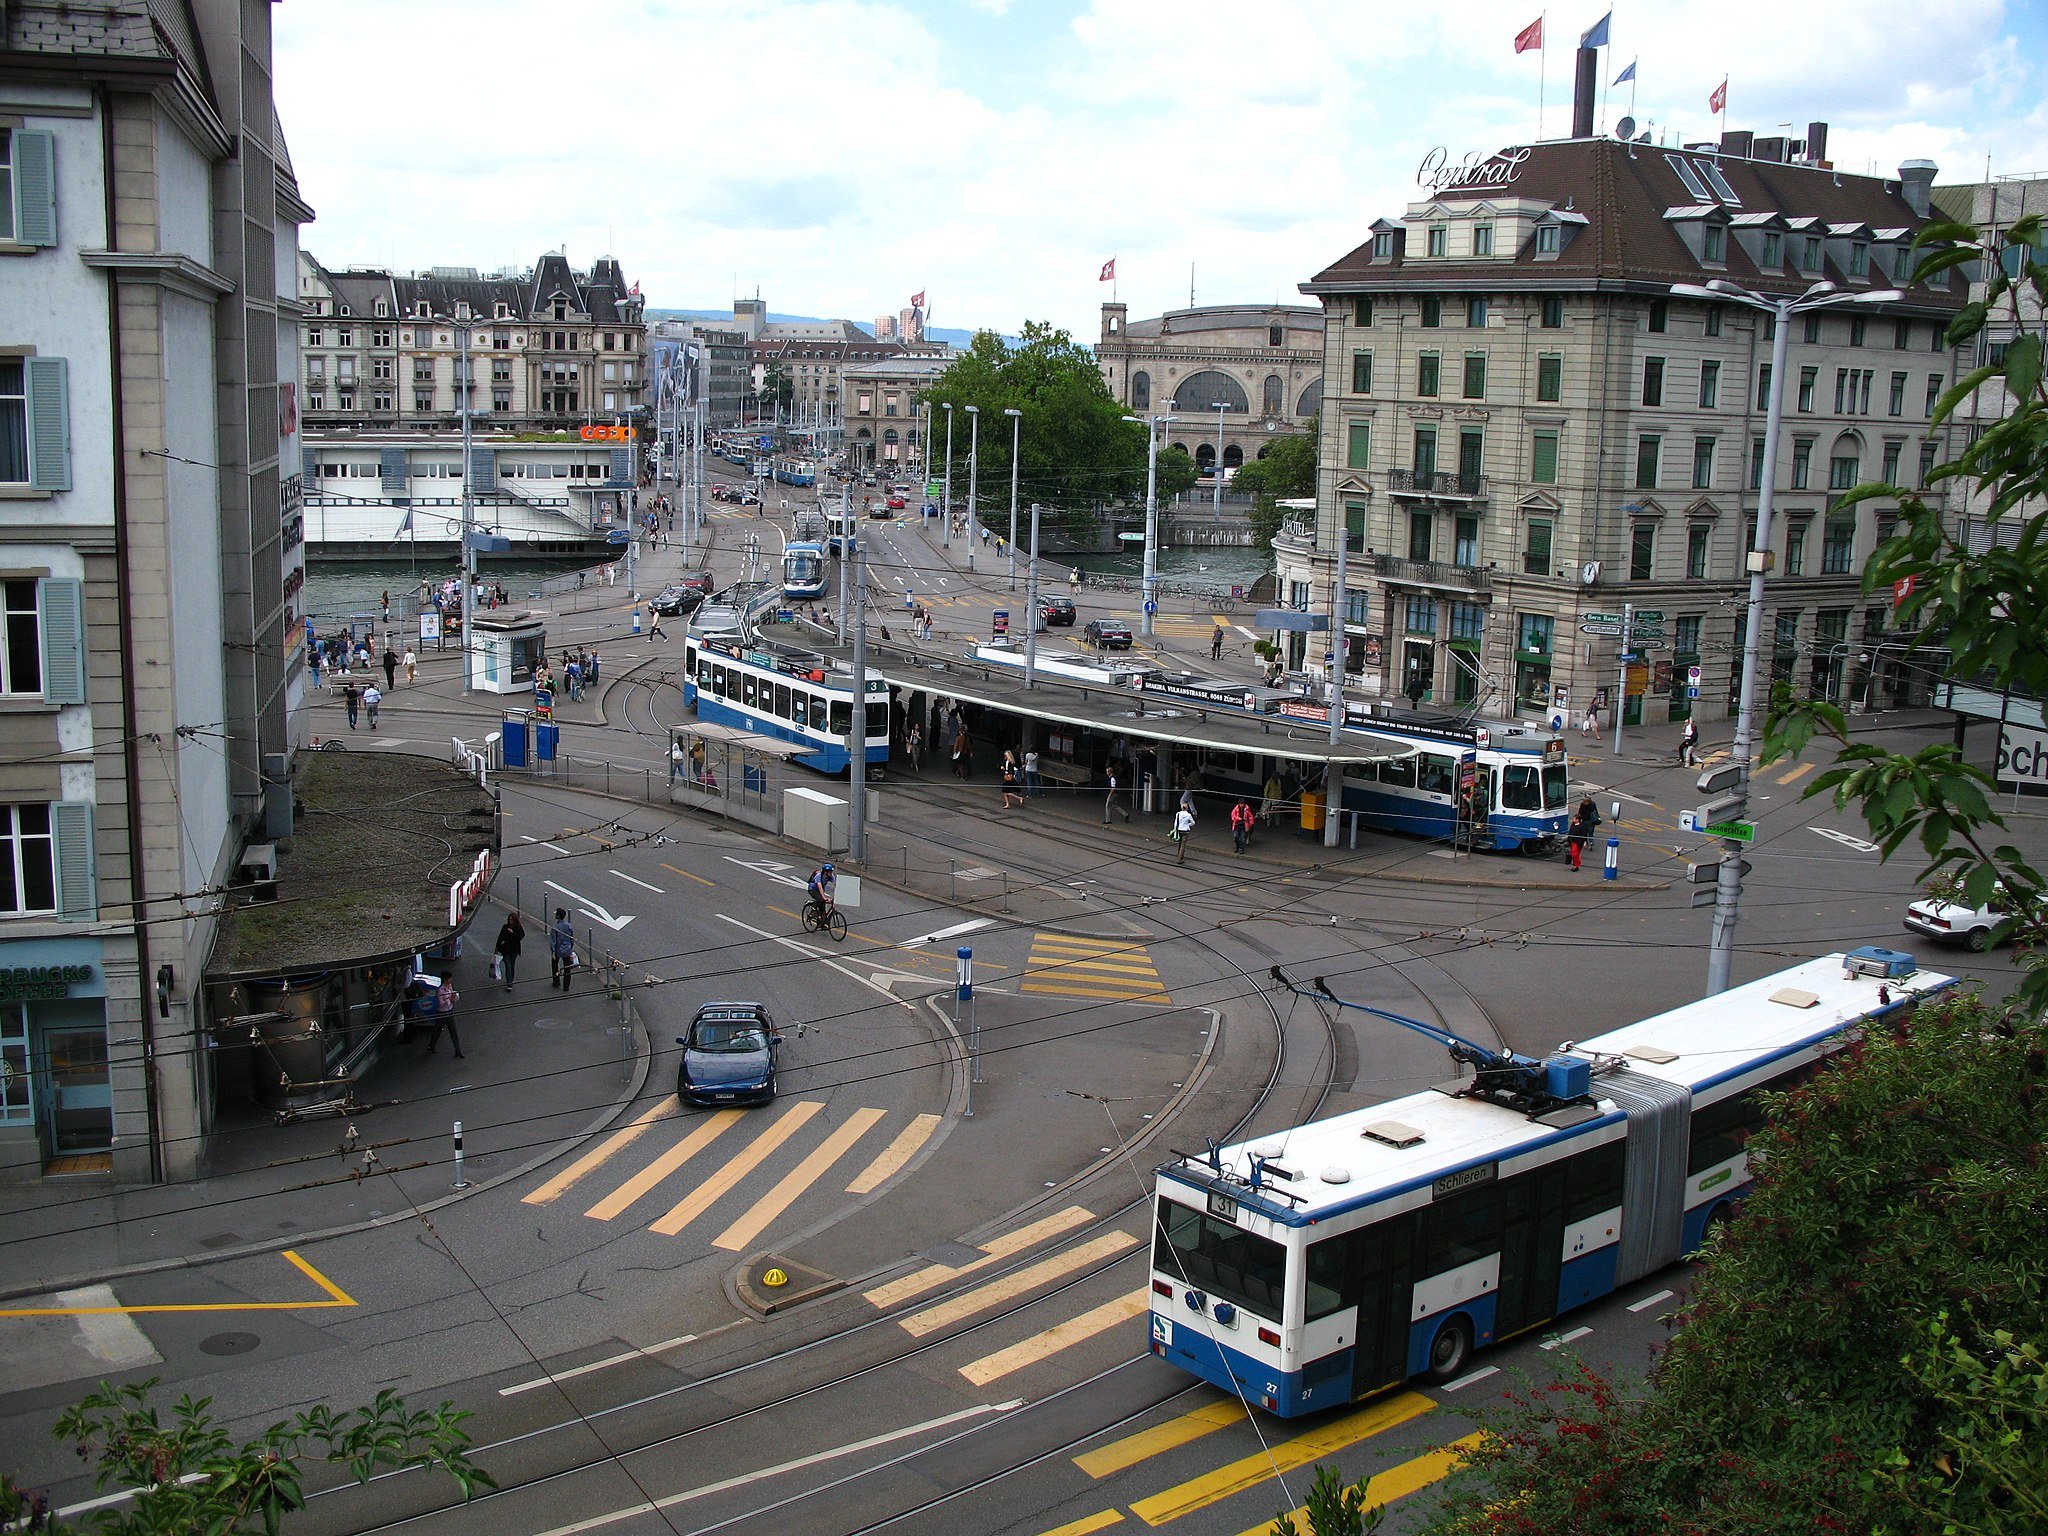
column 1262, row 363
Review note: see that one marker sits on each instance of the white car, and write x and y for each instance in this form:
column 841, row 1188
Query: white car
column 1942, row 919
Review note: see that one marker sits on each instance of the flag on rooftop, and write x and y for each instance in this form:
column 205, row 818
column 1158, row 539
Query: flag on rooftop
column 1627, row 74
column 1530, row 36
column 1595, row 36
column 1718, row 102
column 1108, row 271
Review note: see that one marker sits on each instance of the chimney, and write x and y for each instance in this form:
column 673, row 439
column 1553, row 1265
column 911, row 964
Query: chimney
column 1916, row 185
column 1585, row 86
column 1736, row 142
column 1816, row 143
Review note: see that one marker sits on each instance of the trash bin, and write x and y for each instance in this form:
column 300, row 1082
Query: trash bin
column 514, row 740
column 1311, row 810
column 546, row 737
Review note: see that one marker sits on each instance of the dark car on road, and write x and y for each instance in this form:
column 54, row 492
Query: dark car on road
column 1057, row 610
column 678, row 599
column 1107, row 634
column 730, row 1055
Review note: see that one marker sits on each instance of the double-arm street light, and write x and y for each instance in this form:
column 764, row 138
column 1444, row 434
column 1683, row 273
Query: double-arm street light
column 946, row 499
column 1016, row 425
column 973, row 474
column 1155, row 428
column 1217, row 504
column 1781, row 309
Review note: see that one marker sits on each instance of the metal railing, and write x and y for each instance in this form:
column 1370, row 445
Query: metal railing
column 1423, row 482
column 1432, row 573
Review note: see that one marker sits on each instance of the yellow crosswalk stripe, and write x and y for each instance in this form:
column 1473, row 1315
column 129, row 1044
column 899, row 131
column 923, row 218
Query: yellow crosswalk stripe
column 1147, row 1443
column 1107, row 994
column 756, row 1152
column 1394, row 1483
column 1029, row 1278
column 895, row 1155
column 1061, row 1336
column 701, row 1136
column 1115, row 970
column 994, row 1251
column 736, row 1237
column 1796, row 774
column 1101, row 967
column 1250, row 1471
column 1087, row 1526
column 617, row 1142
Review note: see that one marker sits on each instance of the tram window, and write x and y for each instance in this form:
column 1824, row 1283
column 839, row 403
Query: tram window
column 842, row 716
column 782, row 701
column 1326, row 1286
column 1556, row 787
column 721, row 682
column 1399, row 771
column 799, row 710
column 703, row 674
column 1458, row 1230
column 878, row 722
column 1592, row 1182
column 749, row 683
column 1363, row 773
column 1520, row 788
column 1437, row 775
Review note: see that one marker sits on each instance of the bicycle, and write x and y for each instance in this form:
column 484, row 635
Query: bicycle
column 817, row 919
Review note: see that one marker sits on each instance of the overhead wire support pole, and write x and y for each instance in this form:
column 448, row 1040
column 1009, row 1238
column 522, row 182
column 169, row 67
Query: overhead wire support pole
column 853, row 571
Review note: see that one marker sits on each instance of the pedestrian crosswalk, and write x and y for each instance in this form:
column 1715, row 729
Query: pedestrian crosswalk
column 1106, row 970
column 793, row 1147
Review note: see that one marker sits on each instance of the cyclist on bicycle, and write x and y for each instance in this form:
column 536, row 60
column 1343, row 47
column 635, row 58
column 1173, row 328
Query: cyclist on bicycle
column 821, row 885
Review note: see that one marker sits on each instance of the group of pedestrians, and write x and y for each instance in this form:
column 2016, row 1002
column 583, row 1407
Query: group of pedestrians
column 367, row 699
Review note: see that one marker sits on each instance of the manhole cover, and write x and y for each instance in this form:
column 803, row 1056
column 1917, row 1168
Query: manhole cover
column 229, row 1343
column 953, row 1255
column 554, row 1023
column 481, row 1159
column 220, row 1240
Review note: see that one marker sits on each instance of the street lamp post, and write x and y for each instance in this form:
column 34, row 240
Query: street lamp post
column 946, row 500
column 462, row 387
column 1781, row 308
column 1217, row 503
column 1148, row 581
column 1016, row 426
column 973, row 473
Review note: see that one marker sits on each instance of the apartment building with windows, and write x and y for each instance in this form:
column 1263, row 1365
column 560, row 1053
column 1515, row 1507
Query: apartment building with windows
column 1254, row 371
column 1522, row 431
column 885, row 412
column 549, row 347
column 153, row 551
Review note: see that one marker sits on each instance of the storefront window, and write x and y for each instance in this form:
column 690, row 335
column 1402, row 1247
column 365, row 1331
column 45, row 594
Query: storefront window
column 15, row 1103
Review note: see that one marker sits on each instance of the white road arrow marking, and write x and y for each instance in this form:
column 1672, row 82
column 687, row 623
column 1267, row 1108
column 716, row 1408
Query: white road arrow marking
column 950, row 933
column 591, row 909
column 543, row 843
column 1846, row 840
column 771, row 869
column 631, row 880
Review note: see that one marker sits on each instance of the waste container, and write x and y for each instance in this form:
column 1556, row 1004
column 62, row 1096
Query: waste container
column 514, row 739
column 1311, row 810
column 547, row 737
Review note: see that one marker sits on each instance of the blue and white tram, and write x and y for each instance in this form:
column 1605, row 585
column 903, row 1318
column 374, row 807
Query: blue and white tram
column 793, row 470
column 779, row 691
column 1315, row 1266
column 803, row 570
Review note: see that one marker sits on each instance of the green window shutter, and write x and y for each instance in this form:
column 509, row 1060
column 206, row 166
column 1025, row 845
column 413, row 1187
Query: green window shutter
column 35, row 186
column 1544, row 471
column 1358, row 449
column 61, row 602
column 49, row 424
column 77, row 893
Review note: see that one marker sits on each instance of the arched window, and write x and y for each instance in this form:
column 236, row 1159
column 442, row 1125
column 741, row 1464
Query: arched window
column 1141, row 391
column 1276, row 395
column 1311, row 400
column 890, row 436
column 1205, row 456
column 1845, row 464
column 1204, row 391
column 1233, row 456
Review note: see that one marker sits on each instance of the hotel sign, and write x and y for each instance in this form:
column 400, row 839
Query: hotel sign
column 1440, row 173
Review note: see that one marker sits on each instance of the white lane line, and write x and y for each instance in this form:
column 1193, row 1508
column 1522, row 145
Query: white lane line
column 876, row 971
column 1565, row 1338
column 107, row 1500
column 1249, row 634
column 630, row 880
column 596, row 1365
column 1465, row 1381
column 950, row 933
column 541, row 842
column 1649, row 1301
column 816, row 1458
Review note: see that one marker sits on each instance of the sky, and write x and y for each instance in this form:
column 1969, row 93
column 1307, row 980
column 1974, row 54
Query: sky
column 838, row 156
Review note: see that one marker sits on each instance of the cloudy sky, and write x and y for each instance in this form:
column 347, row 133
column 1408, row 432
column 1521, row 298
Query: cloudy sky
column 838, row 156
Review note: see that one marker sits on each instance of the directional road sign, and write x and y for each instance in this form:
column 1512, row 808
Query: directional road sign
column 1734, row 831
column 1649, row 616
column 1150, row 606
column 1601, row 618
column 1600, row 629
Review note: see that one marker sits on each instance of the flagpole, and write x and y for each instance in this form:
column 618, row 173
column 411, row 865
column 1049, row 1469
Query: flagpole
column 1632, row 88
column 1542, row 66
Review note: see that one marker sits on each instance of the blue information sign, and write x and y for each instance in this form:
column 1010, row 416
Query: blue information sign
column 1150, row 606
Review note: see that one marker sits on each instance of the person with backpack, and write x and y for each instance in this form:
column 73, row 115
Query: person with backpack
column 1584, row 820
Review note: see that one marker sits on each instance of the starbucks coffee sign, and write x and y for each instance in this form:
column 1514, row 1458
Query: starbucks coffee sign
column 40, row 983
column 1440, row 173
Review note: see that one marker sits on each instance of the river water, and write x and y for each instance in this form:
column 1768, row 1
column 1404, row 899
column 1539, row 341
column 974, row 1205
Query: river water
column 344, row 589
column 1217, row 569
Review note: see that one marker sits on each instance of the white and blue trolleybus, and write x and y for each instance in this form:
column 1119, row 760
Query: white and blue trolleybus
column 1313, row 1266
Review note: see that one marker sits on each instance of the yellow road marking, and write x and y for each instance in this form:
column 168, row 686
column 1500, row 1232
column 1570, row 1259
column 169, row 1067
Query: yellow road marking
column 1029, row 1278
column 1131, row 994
column 800, row 1178
column 994, row 1251
column 1095, row 946
column 336, row 1297
column 1250, row 1471
column 794, row 916
column 700, row 1137
column 1796, row 774
column 1088, row 1526
column 895, row 1155
column 1394, row 1483
column 1094, row 967
column 688, row 876
column 597, row 1156
column 701, row 1199
column 1147, row 1443
column 1061, row 1336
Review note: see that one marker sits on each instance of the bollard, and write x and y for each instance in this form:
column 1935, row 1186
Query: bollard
column 1613, row 859
column 460, row 1181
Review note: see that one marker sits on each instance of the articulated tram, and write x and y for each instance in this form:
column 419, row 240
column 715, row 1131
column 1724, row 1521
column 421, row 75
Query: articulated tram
column 777, row 690
column 803, row 570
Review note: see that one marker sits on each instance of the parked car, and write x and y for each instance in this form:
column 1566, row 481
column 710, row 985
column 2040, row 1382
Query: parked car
column 1107, row 634
column 678, row 599
column 1057, row 610
column 730, row 1055
column 1940, row 918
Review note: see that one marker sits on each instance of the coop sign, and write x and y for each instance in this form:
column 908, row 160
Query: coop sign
column 1440, row 173
column 466, row 892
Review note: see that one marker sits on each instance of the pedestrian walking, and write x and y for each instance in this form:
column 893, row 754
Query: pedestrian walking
column 444, row 1018
column 412, row 666
column 351, row 700
column 590, row 668
column 963, row 756
column 1111, row 802
column 913, row 745
column 1032, row 786
column 1216, row 644
column 387, row 607
column 372, row 697
column 657, row 632
column 561, row 950
column 1241, row 819
column 572, row 674
column 390, row 668
column 1584, row 820
column 1689, row 745
column 1013, row 788
column 313, row 665
column 1183, row 827
column 510, row 937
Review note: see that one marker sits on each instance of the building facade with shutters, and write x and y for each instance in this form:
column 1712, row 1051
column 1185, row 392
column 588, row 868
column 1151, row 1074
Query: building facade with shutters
column 149, row 487
column 1523, row 433
column 1261, row 363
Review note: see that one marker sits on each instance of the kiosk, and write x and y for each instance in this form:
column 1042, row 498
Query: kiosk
column 504, row 648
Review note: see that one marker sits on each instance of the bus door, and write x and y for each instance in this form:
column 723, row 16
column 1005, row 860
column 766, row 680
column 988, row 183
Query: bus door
column 1531, row 1251
column 1386, row 1298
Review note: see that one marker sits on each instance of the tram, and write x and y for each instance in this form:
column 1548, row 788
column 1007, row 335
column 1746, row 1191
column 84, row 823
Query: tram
column 776, row 690
column 803, row 570
column 1317, row 1265
column 791, row 469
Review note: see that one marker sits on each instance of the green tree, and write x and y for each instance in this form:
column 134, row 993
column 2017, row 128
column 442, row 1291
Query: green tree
column 184, row 1473
column 1287, row 471
column 1175, row 473
column 1334, row 1508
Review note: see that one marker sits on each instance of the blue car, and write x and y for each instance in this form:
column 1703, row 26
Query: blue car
column 729, row 1055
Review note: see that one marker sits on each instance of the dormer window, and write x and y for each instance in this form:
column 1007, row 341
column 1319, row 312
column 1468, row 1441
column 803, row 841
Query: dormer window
column 1714, row 243
column 344, row 309
column 1859, row 259
column 1809, row 254
column 1383, row 246
column 382, row 309
column 1549, row 240
column 501, row 311
column 1774, row 249
column 1439, row 239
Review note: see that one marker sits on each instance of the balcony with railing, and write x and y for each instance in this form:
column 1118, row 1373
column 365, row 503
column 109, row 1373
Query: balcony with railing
column 1438, row 574
column 1424, row 482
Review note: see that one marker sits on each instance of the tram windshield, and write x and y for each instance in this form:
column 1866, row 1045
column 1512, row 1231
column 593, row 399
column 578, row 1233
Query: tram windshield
column 1530, row 787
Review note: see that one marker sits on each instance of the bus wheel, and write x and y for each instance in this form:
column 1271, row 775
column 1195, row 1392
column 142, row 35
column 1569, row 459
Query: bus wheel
column 1450, row 1350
